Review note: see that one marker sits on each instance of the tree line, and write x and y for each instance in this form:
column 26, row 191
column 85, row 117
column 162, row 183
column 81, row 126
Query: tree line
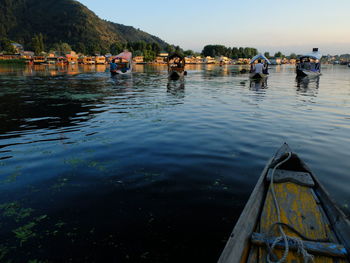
column 234, row 52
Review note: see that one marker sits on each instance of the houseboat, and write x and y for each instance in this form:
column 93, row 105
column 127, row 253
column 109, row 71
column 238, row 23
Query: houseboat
column 51, row 60
column 88, row 61
column 39, row 60
column 72, row 59
column 139, row 60
column 62, row 61
column 309, row 64
column 100, row 60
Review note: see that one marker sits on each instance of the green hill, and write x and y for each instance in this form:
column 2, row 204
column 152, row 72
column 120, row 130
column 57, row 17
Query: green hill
column 65, row 21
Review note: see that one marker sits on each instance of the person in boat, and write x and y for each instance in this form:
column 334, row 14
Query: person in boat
column 259, row 67
column 266, row 68
column 307, row 64
column 113, row 67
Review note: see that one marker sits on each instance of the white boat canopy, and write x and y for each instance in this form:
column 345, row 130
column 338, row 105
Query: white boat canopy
column 313, row 55
column 260, row 56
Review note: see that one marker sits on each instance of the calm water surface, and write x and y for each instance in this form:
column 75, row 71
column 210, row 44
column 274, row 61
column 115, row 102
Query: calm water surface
column 140, row 169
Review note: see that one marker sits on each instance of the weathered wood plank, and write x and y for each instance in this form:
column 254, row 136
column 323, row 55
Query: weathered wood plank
column 253, row 255
column 282, row 176
column 240, row 237
column 320, row 248
column 298, row 209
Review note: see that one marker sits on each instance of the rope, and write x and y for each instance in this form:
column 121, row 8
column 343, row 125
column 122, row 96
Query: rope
column 301, row 250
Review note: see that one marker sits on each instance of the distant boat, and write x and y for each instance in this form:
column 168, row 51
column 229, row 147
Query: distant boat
column 264, row 74
column 124, row 63
column 349, row 65
column 309, row 64
column 176, row 66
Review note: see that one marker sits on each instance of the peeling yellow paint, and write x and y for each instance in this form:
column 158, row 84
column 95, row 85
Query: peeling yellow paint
column 298, row 209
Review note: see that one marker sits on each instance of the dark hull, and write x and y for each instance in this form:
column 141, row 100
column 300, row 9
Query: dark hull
column 174, row 75
column 300, row 73
column 258, row 76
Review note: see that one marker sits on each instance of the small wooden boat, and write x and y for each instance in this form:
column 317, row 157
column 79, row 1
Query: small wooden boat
column 309, row 65
column 176, row 66
column 258, row 76
column 123, row 63
column 289, row 198
column 264, row 73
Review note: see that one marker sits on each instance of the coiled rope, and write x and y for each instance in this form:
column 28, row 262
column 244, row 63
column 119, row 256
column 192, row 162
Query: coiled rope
column 301, row 250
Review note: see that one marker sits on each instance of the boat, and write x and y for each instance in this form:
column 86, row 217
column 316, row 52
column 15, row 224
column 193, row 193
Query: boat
column 176, row 66
column 100, row 60
column 62, row 61
column 349, row 65
column 257, row 76
column 39, row 60
column 289, row 217
column 309, row 64
column 88, row 61
column 124, row 63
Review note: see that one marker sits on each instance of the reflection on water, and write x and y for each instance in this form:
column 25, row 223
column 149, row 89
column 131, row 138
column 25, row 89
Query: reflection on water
column 308, row 85
column 87, row 161
column 258, row 84
column 176, row 88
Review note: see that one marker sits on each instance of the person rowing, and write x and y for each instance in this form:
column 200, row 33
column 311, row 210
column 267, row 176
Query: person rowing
column 113, row 67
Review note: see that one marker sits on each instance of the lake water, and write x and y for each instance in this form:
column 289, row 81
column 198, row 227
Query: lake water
column 142, row 169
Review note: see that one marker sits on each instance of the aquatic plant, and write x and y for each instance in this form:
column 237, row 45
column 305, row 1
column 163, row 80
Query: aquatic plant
column 23, row 233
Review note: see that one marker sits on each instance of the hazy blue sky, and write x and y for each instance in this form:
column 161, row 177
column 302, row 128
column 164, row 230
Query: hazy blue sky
column 270, row 25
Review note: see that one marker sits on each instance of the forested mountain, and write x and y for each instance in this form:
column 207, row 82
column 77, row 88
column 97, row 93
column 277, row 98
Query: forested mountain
column 65, row 21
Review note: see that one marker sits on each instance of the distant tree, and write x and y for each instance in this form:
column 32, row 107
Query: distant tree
column 267, row 54
column 241, row 53
column 116, row 48
column 293, row 56
column 156, row 47
column 149, row 55
column 80, row 47
column 92, row 48
column 6, row 47
column 279, row 55
column 38, row 44
column 138, row 53
column 62, row 48
column 189, row 53
column 234, row 53
column 170, row 49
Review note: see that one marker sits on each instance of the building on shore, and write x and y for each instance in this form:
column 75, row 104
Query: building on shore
column 100, row 60
column 224, row 60
column 209, row 60
column 138, row 60
column 72, row 57
column 160, row 60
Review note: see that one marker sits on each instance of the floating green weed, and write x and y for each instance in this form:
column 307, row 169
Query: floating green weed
column 3, row 252
column 25, row 232
column 61, row 183
column 75, row 162
column 37, row 261
column 15, row 211
column 219, row 183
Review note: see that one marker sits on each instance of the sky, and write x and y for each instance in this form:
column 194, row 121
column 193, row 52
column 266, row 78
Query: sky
column 271, row 25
